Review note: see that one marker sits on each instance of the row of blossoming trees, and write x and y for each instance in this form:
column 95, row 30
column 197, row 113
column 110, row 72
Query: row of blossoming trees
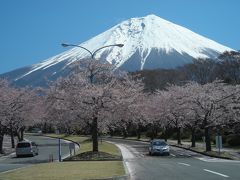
column 94, row 100
column 18, row 110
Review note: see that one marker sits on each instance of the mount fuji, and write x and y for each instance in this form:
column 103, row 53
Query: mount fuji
column 150, row 42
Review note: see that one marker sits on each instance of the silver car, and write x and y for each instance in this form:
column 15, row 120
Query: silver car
column 25, row 148
column 158, row 146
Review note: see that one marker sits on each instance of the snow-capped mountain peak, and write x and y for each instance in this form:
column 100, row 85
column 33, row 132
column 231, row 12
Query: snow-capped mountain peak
column 149, row 42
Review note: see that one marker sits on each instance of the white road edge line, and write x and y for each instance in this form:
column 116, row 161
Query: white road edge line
column 15, row 169
column 184, row 164
column 6, row 156
column 223, row 175
column 208, row 159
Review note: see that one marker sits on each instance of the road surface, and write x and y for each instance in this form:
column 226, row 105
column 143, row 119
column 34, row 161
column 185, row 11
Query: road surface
column 180, row 165
column 47, row 147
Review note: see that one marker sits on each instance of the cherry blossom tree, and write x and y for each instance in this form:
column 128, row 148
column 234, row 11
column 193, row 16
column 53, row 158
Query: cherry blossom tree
column 15, row 110
column 174, row 107
column 89, row 95
column 4, row 89
column 208, row 104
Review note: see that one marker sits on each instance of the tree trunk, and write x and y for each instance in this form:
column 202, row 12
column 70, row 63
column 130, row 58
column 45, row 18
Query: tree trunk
column 111, row 132
column 95, row 135
column 165, row 135
column 19, row 136
column 138, row 132
column 207, row 139
column 179, row 135
column 193, row 138
column 12, row 137
column 45, row 127
column 22, row 133
column 124, row 133
column 1, row 143
column 154, row 132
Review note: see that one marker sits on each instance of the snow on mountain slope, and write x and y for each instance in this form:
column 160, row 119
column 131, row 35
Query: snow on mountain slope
column 149, row 42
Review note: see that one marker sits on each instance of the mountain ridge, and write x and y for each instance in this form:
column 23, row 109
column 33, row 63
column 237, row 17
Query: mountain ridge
column 149, row 42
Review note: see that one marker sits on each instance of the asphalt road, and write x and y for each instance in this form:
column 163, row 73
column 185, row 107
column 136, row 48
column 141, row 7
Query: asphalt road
column 47, row 146
column 180, row 165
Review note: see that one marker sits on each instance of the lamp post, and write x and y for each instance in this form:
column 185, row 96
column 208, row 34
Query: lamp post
column 90, row 52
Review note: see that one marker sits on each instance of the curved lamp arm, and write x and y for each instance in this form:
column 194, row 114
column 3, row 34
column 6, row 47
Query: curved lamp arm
column 66, row 45
column 92, row 53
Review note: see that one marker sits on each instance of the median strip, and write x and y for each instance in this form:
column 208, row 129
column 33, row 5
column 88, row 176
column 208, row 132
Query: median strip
column 223, row 175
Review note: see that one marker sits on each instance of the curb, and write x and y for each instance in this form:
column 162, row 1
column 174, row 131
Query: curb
column 189, row 149
column 127, row 173
column 62, row 139
column 66, row 156
column 123, row 177
column 128, row 176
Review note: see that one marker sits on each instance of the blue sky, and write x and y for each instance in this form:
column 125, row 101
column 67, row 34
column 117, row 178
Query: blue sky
column 32, row 30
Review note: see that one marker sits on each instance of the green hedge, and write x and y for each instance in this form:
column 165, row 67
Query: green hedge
column 233, row 139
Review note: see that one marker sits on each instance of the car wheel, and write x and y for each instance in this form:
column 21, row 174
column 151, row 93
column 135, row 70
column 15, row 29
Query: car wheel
column 167, row 153
column 150, row 153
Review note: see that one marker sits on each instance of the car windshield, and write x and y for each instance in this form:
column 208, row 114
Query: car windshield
column 159, row 143
column 23, row 145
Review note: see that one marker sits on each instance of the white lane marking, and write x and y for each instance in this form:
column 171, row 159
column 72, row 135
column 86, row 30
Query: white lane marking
column 173, row 155
column 185, row 164
column 223, row 175
column 208, row 159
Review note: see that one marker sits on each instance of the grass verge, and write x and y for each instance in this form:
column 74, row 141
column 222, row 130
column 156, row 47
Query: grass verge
column 73, row 170
column 86, row 144
column 68, row 171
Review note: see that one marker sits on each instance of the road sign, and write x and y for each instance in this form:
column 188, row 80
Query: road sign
column 71, row 145
column 219, row 143
column 59, row 150
column 72, row 148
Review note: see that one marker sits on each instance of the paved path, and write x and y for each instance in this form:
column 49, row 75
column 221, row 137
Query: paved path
column 47, row 146
column 180, row 165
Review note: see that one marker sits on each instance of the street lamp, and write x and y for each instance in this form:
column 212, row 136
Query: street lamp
column 91, row 78
column 90, row 52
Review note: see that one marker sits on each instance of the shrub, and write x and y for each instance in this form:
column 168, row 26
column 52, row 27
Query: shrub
column 233, row 139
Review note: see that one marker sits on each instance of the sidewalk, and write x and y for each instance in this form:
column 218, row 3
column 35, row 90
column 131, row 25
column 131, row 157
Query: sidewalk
column 200, row 147
column 7, row 146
